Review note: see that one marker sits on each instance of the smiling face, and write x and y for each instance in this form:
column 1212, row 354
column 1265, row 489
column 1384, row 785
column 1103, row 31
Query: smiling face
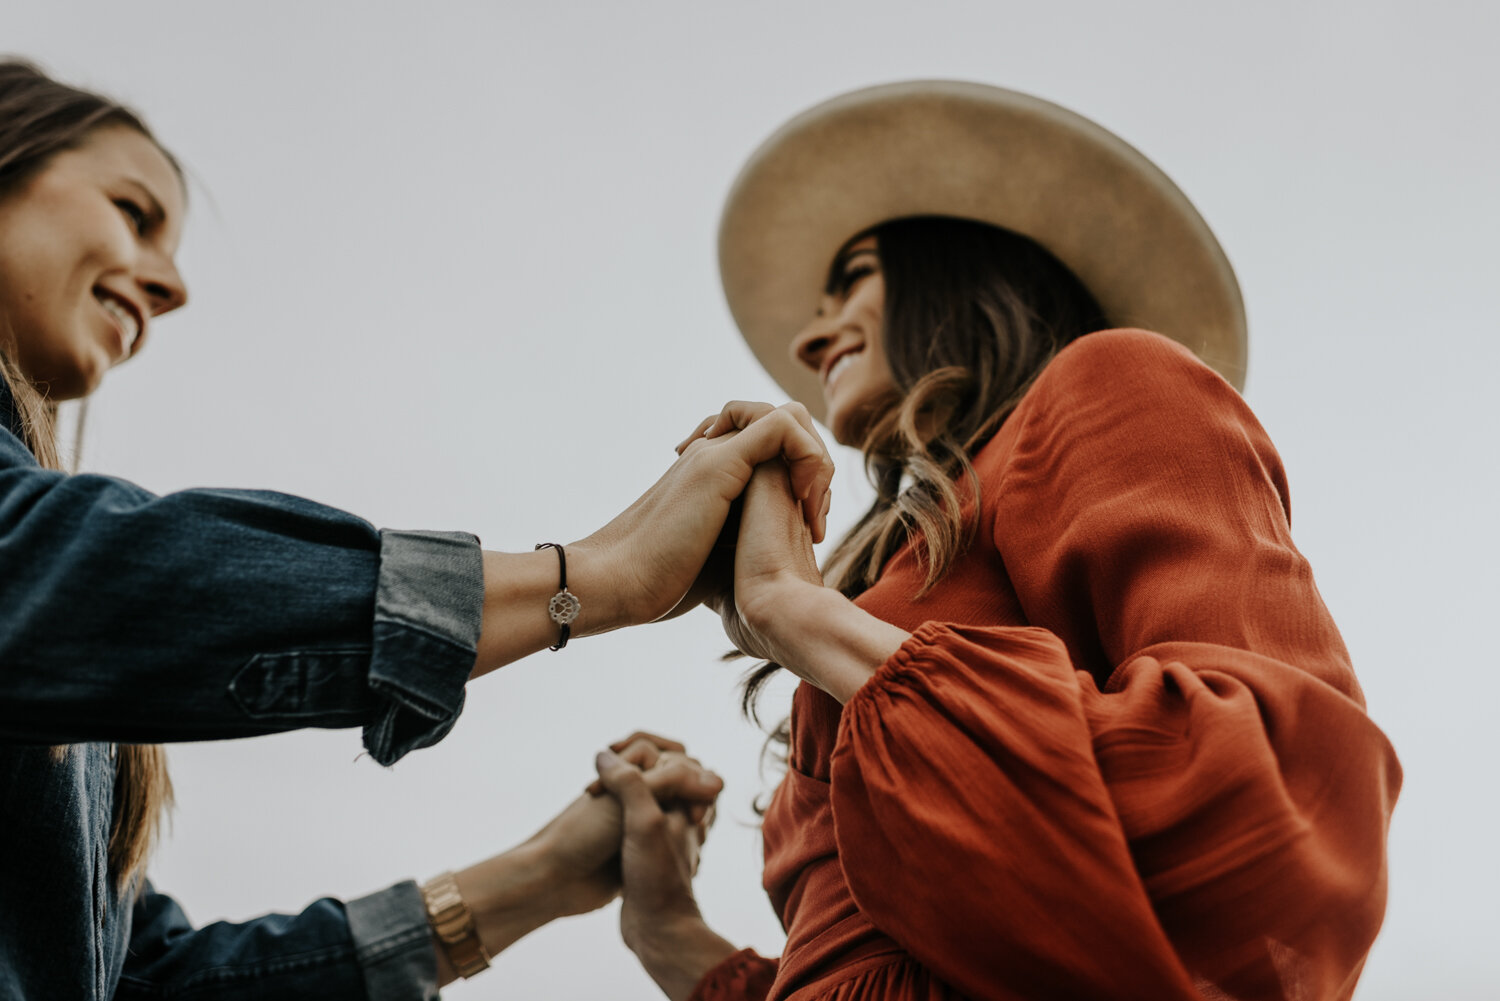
column 86, row 259
column 843, row 344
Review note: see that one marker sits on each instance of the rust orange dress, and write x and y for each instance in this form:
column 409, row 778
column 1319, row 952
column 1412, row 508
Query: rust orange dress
column 1123, row 754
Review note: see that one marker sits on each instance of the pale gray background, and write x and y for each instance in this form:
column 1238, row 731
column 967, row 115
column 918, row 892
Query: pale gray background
column 452, row 267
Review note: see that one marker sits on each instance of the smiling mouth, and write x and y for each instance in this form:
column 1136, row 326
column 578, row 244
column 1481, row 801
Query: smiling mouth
column 843, row 362
column 125, row 318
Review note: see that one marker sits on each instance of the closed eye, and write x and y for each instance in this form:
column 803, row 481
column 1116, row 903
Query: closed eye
column 852, row 277
column 139, row 221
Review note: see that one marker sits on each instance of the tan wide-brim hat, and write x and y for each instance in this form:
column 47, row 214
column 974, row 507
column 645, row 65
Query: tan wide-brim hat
column 940, row 147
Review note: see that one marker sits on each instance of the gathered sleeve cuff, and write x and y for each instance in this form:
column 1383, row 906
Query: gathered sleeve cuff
column 744, row 976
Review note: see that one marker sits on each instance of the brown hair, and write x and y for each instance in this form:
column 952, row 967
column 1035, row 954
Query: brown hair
column 39, row 118
column 973, row 313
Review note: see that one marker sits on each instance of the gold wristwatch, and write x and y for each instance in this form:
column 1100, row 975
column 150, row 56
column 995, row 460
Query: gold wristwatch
column 453, row 924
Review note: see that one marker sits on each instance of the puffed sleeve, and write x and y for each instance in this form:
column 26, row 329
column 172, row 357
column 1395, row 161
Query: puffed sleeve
column 1166, row 786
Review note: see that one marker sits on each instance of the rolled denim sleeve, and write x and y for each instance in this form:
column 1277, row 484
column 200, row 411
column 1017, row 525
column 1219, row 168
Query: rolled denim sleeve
column 393, row 942
column 377, row 947
column 427, row 616
column 207, row 614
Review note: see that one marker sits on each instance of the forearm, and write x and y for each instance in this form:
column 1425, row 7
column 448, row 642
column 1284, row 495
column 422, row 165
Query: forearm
column 510, row 896
column 824, row 638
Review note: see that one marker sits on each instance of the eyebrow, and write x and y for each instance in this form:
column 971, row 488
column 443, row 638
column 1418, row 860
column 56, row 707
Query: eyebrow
column 836, row 269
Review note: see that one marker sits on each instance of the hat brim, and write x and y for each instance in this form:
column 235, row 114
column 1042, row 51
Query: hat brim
column 977, row 152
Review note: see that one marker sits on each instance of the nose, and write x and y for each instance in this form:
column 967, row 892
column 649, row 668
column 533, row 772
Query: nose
column 162, row 284
column 809, row 346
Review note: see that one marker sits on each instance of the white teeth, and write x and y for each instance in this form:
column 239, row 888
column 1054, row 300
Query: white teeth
column 838, row 367
column 126, row 319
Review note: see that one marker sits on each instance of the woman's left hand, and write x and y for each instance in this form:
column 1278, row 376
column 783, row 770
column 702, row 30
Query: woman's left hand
column 777, row 606
column 773, row 563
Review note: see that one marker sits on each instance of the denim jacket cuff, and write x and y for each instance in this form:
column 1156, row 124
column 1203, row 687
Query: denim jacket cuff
column 393, row 943
column 428, row 604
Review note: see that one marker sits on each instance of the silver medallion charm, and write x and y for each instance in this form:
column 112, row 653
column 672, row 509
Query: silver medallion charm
column 564, row 607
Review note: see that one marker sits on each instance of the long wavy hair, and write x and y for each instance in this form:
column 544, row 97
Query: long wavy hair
column 973, row 313
column 40, row 118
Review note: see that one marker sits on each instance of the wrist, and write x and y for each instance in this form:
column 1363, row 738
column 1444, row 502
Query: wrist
column 599, row 592
column 517, row 590
column 824, row 638
column 774, row 612
column 508, row 897
column 678, row 951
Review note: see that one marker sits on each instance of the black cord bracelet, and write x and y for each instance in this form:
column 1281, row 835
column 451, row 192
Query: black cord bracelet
column 564, row 606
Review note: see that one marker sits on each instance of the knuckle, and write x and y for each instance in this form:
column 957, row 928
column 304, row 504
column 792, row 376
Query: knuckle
column 638, row 751
column 784, row 420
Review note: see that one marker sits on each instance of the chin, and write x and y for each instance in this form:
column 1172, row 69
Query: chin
column 73, row 385
column 848, row 432
column 851, row 424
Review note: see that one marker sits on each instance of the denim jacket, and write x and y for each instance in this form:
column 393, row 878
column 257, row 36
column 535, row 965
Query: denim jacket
column 129, row 617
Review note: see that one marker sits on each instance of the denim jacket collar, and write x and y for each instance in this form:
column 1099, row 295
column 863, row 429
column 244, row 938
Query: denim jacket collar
column 10, row 416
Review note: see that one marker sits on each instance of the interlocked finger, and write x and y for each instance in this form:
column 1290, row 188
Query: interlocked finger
column 698, row 431
column 736, row 416
column 641, row 749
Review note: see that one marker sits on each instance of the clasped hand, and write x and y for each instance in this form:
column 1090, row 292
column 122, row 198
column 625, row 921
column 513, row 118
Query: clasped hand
column 659, row 554
column 640, row 826
column 582, row 844
column 764, row 557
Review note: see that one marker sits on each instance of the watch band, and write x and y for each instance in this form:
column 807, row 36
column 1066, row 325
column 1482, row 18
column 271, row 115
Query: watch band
column 453, row 923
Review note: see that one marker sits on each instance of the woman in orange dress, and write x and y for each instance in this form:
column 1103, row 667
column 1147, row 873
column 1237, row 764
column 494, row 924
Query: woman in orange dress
column 1074, row 720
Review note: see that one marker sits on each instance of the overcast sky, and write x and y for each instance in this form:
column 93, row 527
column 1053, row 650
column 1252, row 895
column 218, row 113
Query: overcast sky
column 452, row 266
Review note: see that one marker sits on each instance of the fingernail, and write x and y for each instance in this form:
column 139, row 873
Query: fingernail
column 606, row 759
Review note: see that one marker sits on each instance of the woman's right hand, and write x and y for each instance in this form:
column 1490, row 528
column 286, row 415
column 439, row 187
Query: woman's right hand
column 659, row 919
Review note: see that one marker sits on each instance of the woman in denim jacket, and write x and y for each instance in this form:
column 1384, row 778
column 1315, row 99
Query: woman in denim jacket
column 127, row 619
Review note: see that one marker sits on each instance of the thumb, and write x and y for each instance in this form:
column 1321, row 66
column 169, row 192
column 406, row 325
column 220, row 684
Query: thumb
column 625, row 783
